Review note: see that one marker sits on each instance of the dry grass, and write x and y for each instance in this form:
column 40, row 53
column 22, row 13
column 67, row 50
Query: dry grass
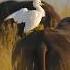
column 8, row 32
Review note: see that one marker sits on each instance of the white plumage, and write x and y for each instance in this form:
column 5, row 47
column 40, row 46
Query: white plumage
column 18, row 16
column 31, row 18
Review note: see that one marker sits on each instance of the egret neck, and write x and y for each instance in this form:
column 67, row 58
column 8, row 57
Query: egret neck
column 37, row 4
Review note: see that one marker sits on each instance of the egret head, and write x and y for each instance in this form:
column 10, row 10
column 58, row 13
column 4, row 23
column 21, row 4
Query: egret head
column 37, row 2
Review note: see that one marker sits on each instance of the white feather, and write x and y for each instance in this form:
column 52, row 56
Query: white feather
column 18, row 15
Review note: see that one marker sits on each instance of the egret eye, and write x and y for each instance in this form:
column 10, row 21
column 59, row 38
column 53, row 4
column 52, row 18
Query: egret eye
column 39, row 2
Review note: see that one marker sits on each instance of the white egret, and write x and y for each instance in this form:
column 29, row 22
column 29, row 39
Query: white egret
column 31, row 18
